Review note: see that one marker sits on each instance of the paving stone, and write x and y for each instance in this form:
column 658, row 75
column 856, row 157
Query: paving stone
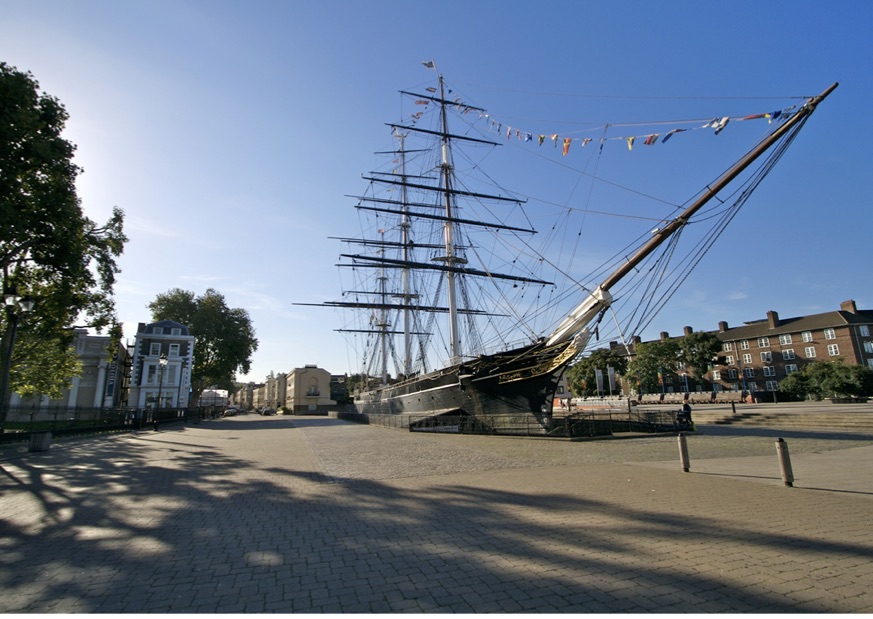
column 311, row 514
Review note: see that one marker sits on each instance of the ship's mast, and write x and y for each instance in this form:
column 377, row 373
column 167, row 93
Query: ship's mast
column 450, row 259
column 576, row 323
column 404, row 274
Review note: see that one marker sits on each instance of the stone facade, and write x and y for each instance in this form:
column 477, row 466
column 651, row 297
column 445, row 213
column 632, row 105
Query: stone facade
column 173, row 340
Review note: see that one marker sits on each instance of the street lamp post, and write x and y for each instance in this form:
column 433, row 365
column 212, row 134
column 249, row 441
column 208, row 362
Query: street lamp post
column 162, row 365
column 11, row 300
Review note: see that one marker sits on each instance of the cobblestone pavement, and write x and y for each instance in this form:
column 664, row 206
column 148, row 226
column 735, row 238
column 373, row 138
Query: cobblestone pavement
column 312, row 514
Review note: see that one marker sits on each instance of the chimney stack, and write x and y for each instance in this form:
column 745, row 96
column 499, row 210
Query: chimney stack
column 773, row 319
column 849, row 306
column 722, row 326
column 688, row 330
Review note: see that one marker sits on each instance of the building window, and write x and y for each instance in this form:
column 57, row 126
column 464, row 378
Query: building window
column 752, row 386
column 870, row 363
column 154, row 349
column 175, row 331
column 864, row 330
column 727, row 347
column 790, row 368
column 732, row 373
column 807, row 336
column 788, row 354
column 747, row 358
column 771, row 385
column 729, row 360
column 749, row 372
column 766, row 357
column 763, row 342
column 868, row 347
column 810, row 352
column 174, row 350
column 833, row 350
column 158, row 330
column 769, row 370
column 785, row 339
column 716, row 374
column 830, row 334
column 744, row 345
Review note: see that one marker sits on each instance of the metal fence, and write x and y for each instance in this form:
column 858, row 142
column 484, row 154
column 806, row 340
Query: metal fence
column 21, row 422
column 601, row 422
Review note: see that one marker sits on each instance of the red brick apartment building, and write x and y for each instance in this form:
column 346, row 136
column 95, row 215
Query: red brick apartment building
column 757, row 355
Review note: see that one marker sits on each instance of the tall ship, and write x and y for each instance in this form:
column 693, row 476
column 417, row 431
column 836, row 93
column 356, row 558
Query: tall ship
column 459, row 304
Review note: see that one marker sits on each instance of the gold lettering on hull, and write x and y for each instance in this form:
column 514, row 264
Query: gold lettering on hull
column 545, row 367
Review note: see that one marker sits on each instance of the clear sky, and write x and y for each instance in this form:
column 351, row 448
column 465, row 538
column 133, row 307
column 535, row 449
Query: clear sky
column 231, row 132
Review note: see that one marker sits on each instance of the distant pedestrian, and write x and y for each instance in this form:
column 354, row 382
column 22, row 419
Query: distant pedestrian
column 155, row 421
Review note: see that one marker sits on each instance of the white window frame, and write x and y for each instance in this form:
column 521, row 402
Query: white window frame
column 788, row 354
column 174, row 350
column 749, row 372
column 868, row 347
column 830, row 334
column 769, row 370
column 864, row 330
column 747, row 358
column 764, row 342
column 729, row 360
column 727, row 347
column 154, row 349
column 175, row 331
column 716, row 374
column 807, row 336
column 785, row 338
column 790, row 368
column 833, row 350
column 766, row 356
column 744, row 345
column 810, row 352
column 771, row 385
column 157, row 330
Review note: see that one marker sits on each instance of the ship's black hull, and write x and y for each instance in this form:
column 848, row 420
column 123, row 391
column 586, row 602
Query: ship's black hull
column 520, row 381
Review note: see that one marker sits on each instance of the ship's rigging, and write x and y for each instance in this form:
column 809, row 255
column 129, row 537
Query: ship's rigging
column 429, row 233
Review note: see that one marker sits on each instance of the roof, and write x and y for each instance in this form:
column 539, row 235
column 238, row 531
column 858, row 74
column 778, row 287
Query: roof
column 813, row 322
column 165, row 325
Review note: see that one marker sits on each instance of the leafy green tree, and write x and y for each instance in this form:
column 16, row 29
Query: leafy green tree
column 651, row 361
column 697, row 350
column 829, row 379
column 224, row 338
column 49, row 249
column 582, row 377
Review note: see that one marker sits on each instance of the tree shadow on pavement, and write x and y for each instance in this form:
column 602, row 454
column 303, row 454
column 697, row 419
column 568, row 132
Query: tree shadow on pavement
column 183, row 527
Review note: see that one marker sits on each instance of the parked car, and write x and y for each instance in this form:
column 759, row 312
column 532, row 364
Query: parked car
column 269, row 411
column 230, row 411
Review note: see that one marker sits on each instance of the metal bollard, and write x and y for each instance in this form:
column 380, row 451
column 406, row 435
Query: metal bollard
column 785, row 462
column 683, row 453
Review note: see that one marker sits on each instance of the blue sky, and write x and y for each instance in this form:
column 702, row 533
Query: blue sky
column 231, row 133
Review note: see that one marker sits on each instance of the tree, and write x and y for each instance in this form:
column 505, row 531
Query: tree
column 582, row 375
column 224, row 338
column 651, row 360
column 49, row 250
column 697, row 350
column 829, row 379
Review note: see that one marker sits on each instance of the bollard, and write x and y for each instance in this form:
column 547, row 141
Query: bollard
column 785, row 462
column 683, row 453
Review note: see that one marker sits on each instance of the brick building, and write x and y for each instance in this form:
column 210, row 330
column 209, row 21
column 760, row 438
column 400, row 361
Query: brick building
column 760, row 353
